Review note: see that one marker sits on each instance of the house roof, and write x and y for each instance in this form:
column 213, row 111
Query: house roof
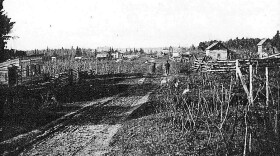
column 262, row 42
column 215, row 44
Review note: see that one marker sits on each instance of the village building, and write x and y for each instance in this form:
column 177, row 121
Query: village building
column 102, row 56
column 179, row 54
column 217, row 51
column 165, row 51
column 53, row 58
column 78, row 58
column 117, row 55
column 265, row 48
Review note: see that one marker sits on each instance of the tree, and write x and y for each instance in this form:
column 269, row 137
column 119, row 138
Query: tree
column 202, row 46
column 5, row 28
column 192, row 47
column 78, row 52
column 276, row 41
column 141, row 51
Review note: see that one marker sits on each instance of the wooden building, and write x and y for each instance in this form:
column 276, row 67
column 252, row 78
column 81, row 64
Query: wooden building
column 217, row 51
column 265, row 48
column 18, row 71
column 102, row 56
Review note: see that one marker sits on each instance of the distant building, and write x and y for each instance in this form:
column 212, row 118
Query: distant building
column 53, row 58
column 165, row 51
column 78, row 58
column 217, row 51
column 265, row 48
column 117, row 55
column 102, row 56
column 177, row 51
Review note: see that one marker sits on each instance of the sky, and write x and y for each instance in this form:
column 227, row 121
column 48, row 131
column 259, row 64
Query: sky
column 137, row 23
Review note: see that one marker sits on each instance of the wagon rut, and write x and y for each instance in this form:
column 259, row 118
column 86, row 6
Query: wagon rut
column 89, row 132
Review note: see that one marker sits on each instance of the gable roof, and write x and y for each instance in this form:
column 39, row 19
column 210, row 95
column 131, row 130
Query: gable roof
column 214, row 45
column 262, row 42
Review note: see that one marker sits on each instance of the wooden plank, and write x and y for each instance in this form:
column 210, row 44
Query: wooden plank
column 233, row 67
column 278, row 54
column 211, row 70
column 244, row 85
column 266, row 86
column 236, row 66
column 251, row 83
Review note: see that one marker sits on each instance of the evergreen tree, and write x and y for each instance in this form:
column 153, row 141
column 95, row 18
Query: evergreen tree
column 202, row 46
column 5, row 28
column 141, row 51
column 78, row 52
column 276, row 41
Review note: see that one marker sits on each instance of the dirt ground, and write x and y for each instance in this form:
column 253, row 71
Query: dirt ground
column 89, row 130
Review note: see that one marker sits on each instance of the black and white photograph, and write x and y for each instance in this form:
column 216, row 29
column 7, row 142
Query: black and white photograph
column 139, row 77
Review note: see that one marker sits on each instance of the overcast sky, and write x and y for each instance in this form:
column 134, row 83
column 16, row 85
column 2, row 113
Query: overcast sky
column 138, row 23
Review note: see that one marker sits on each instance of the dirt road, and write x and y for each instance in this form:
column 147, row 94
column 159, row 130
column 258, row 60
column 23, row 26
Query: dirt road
column 89, row 132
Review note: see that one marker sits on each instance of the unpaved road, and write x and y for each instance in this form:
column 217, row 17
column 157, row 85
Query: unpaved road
column 89, row 132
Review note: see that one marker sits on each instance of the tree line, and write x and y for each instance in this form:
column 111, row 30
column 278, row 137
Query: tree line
column 243, row 44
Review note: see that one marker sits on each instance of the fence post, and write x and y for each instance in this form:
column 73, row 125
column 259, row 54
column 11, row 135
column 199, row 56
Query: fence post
column 70, row 76
column 236, row 66
column 251, row 84
column 276, row 115
column 252, row 100
column 266, row 86
column 21, row 72
column 96, row 66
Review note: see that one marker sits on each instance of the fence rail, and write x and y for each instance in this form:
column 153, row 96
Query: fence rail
column 231, row 65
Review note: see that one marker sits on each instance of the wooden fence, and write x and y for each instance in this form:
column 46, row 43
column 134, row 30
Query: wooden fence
column 250, row 69
column 231, row 65
column 18, row 71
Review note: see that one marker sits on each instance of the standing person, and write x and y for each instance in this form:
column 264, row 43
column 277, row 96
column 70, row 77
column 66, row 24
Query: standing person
column 154, row 68
column 167, row 67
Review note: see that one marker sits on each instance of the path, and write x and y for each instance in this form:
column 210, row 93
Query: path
column 89, row 132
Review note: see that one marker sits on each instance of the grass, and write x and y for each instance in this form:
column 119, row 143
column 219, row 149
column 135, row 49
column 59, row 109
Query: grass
column 214, row 119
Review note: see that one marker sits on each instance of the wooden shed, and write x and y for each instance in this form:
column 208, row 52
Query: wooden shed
column 265, row 48
column 217, row 51
column 18, row 71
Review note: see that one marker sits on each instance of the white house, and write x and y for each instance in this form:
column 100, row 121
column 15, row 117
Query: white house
column 217, row 51
column 102, row 56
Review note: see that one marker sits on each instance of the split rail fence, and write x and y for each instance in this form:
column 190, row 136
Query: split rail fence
column 239, row 67
column 247, row 72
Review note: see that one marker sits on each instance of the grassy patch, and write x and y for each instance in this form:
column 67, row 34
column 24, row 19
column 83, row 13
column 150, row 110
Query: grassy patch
column 214, row 118
column 156, row 135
